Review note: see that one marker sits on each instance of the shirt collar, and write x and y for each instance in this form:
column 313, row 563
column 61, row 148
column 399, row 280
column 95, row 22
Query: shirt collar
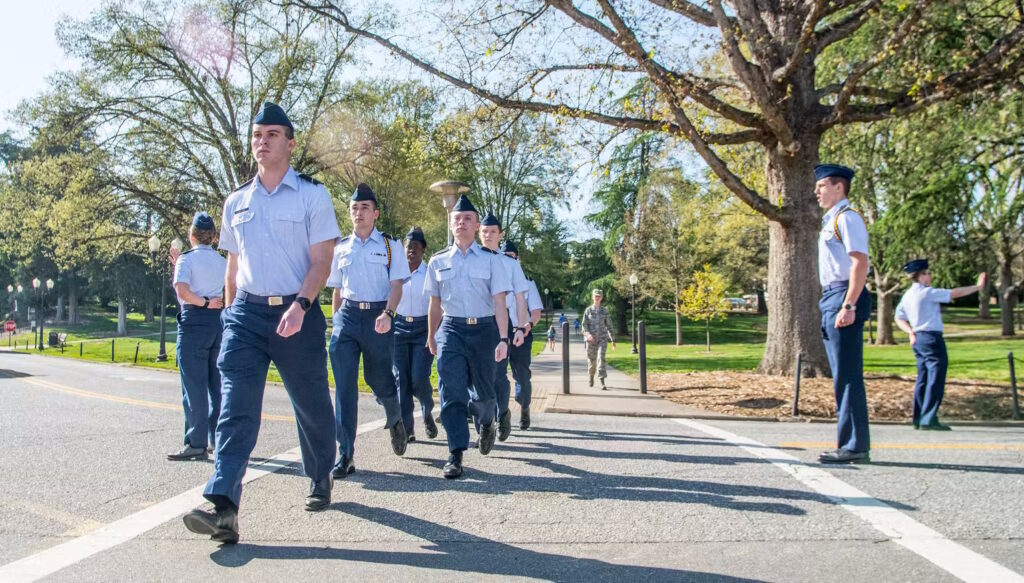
column 201, row 246
column 291, row 180
column 422, row 268
column 835, row 209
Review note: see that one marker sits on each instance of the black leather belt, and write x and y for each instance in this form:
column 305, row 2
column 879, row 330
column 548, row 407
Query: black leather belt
column 187, row 307
column 266, row 300
column 366, row 305
column 471, row 321
column 835, row 285
column 410, row 319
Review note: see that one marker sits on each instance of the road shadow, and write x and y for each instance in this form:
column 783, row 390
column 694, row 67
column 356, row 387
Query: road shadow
column 6, row 373
column 1018, row 471
column 453, row 551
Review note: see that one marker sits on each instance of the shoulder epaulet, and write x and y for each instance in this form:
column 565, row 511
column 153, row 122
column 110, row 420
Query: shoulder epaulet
column 386, row 236
column 835, row 221
column 343, row 239
column 491, row 251
column 189, row 251
column 440, row 251
column 246, row 183
column 309, row 178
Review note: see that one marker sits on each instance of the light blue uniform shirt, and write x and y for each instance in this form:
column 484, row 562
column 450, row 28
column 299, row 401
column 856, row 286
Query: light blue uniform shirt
column 202, row 269
column 466, row 283
column 360, row 268
column 271, row 232
column 533, row 302
column 415, row 301
column 920, row 307
column 834, row 255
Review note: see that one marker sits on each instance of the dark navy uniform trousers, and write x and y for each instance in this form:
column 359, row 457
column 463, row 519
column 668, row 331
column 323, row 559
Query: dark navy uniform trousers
column 520, row 361
column 197, row 348
column 845, row 348
column 930, row 351
column 250, row 344
column 465, row 368
column 412, row 362
column 354, row 335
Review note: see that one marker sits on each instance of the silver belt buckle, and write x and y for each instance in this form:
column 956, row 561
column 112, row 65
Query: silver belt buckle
column 409, row 319
column 364, row 305
column 275, row 300
column 471, row 321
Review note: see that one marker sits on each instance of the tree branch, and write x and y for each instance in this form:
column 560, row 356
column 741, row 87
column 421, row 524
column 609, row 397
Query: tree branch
column 845, row 27
column 689, row 10
column 806, row 35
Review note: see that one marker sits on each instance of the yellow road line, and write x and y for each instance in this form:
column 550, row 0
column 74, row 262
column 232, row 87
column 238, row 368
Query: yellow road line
column 982, row 446
column 116, row 399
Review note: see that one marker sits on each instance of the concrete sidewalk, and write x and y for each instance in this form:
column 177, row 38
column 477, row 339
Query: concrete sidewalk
column 622, row 397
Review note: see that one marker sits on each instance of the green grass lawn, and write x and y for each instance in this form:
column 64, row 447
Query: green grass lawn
column 737, row 343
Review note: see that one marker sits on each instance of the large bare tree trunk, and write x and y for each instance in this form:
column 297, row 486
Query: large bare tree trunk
column 794, row 322
column 122, row 316
column 60, row 308
column 1007, row 297
column 621, row 316
column 679, row 318
column 762, row 306
column 984, row 302
column 148, row 310
column 73, row 317
column 885, row 317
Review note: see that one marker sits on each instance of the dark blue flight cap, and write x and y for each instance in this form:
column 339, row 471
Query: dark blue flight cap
column 363, row 192
column 203, row 221
column 463, row 205
column 271, row 114
column 416, row 234
column 509, row 247
column 830, row 170
column 491, row 221
column 916, row 265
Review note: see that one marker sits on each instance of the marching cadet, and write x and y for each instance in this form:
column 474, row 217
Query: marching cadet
column 367, row 282
column 520, row 357
column 490, row 238
column 845, row 305
column 279, row 230
column 412, row 358
column 468, row 284
column 919, row 315
column 199, row 284
column 597, row 330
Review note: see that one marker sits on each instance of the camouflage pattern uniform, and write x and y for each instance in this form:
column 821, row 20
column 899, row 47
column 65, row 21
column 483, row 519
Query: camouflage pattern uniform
column 598, row 322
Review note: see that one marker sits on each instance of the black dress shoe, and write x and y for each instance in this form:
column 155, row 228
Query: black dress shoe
column 319, row 494
column 505, row 426
column 430, row 427
column 524, row 418
column 220, row 525
column 453, row 469
column 412, row 438
column 399, row 438
column 844, row 456
column 343, row 468
column 936, row 427
column 188, row 453
column 487, row 434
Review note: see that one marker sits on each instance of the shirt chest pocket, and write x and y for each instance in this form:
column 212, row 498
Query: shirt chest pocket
column 290, row 228
column 444, row 274
column 344, row 260
column 377, row 259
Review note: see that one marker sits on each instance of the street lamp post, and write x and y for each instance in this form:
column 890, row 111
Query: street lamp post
column 632, row 305
column 154, row 248
column 36, row 285
column 547, row 312
column 10, row 298
column 450, row 191
column 20, row 290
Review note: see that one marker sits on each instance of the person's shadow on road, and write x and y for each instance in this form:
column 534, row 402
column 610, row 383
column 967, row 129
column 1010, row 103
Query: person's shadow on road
column 453, row 551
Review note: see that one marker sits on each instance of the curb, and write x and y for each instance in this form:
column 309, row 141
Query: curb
column 718, row 417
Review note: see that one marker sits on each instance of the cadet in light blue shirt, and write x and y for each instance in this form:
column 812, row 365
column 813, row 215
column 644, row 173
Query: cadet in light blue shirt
column 367, row 274
column 522, row 355
column 468, row 284
column 412, row 358
column 920, row 316
column 279, row 230
column 845, row 305
column 199, row 284
column 490, row 237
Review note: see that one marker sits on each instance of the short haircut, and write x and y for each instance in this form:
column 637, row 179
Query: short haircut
column 916, row 276
column 840, row 180
column 204, row 236
column 289, row 133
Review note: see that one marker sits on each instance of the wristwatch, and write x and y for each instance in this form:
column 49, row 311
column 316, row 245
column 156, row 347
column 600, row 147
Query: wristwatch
column 848, row 307
column 506, row 340
column 206, row 302
column 304, row 303
column 390, row 313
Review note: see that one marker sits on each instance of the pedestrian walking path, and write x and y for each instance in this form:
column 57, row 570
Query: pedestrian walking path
column 622, row 396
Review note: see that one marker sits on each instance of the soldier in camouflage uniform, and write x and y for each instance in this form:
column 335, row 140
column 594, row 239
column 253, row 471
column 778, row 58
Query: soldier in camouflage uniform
column 597, row 330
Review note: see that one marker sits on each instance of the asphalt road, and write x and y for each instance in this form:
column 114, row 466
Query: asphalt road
column 577, row 498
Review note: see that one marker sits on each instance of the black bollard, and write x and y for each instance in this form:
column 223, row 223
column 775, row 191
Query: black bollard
column 137, row 352
column 565, row 357
column 80, row 349
column 642, row 332
column 1013, row 388
column 796, row 386
column 111, row 350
